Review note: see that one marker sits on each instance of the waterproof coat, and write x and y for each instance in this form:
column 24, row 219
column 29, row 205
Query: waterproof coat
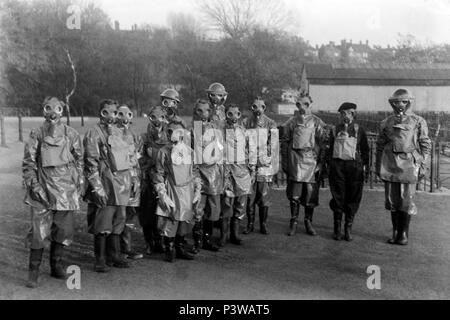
column 108, row 165
column 209, row 157
column 135, row 144
column 53, row 159
column 303, row 148
column 152, row 141
column 264, row 168
column 403, row 147
column 237, row 172
column 179, row 178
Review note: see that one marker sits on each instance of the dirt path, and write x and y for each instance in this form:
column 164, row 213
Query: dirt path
column 266, row 267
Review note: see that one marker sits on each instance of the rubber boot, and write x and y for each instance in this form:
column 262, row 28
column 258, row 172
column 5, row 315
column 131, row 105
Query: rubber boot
column 337, row 215
column 308, row 221
column 125, row 245
column 207, row 235
column 250, row 219
column 113, row 251
column 57, row 268
column 348, row 227
column 394, row 218
column 158, row 244
column 179, row 249
column 224, row 229
column 234, row 234
column 403, row 229
column 197, row 233
column 33, row 267
column 169, row 249
column 295, row 211
column 263, row 214
column 100, row 253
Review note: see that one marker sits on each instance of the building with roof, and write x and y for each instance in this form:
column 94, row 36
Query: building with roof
column 370, row 85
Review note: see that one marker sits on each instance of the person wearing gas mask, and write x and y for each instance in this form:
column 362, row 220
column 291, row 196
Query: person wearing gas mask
column 217, row 95
column 208, row 147
column 53, row 174
column 108, row 173
column 178, row 185
column 403, row 147
column 261, row 186
column 303, row 147
column 238, row 173
column 348, row 159
column 153, row 140
column 124, row 117
column 169, row 101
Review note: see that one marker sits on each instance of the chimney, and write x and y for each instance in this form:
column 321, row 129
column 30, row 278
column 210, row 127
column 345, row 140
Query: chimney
column 367, row 42
column 360, row 42
column 116, row 25
column 343, row 42
column 351, row 41
column 317, row 47
column 388, row 46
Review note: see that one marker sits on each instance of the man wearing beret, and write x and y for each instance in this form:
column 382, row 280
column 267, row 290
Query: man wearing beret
column 348, row 159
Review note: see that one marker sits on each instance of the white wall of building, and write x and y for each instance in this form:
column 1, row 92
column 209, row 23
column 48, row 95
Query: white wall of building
column 375, row 98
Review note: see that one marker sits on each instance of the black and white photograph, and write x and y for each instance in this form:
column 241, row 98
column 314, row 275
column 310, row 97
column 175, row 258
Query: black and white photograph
column 224, row 155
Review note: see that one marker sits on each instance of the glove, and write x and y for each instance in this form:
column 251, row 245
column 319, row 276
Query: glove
column 134, row 186
column 197, row 197
column 165, row 202
column 80, row 186
column 38, row 194
column 100, row 195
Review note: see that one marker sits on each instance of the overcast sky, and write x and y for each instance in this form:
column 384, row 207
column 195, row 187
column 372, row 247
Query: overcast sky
column 321, row 21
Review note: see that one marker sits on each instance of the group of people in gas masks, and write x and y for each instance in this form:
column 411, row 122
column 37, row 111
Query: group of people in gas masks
column 176, row 181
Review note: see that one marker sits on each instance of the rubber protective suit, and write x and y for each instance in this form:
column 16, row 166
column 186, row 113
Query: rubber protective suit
column 53, row 174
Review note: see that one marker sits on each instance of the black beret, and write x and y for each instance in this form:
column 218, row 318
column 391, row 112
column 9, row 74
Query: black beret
column 347, row 106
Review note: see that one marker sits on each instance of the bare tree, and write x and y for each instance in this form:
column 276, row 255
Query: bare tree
column 236, row 18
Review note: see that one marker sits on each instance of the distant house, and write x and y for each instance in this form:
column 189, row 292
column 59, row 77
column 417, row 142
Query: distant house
column 370, row 85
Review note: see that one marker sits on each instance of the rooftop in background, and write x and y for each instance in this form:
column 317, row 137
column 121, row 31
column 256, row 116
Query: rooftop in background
column 379, row 74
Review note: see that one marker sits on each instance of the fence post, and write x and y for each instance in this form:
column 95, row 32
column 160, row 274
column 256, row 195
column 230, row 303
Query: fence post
column 2, row 131
column 438, row 164
column 82, row 118
column 20, row 128
column 433, row 150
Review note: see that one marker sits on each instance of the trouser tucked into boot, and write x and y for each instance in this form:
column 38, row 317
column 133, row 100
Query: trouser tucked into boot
column 57, row 268
column 197, row 234
column 33, row 268
column 308, row 221
column 100, row 253
column 234, row 234
column 250, row 218
column 295, row 211
column 181, row 253
column 169, row 248
column 224, row 229
column 263, row 214
column 349, row 217
column 125, row 245
column 394, row 218
column 113, row 252
column 337, row 215
column 403, row 228
column 207, row 235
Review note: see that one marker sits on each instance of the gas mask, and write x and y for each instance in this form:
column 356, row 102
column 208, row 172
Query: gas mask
column 400, row 106
column 202, row 111
column 217, row 99
column 108, row 116
column 53, row 109
column 304, row 106
column 348, row 116
column 258, row 108
column 124, row 116
column 169, row 103
column 176, row 133
column 157, row 117
column 233, row 115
